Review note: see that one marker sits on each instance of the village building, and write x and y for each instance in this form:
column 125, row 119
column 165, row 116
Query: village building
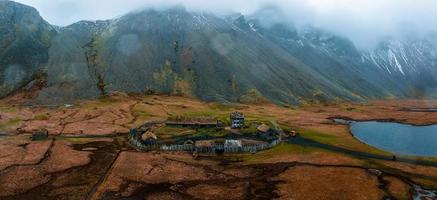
column 41, row 134
column 219, row 146
column 203, row 146
column 267, row 133
column 192, row 124
column 293, row 133
column 189, row 142
column 263, row 128
column 237, row 120
column 233, row 144
column 220, row 124
column 149, row 138
column 196, row 122
column 204, row 143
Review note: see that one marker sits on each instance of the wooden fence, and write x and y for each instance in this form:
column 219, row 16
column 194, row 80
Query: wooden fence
column 216, row 148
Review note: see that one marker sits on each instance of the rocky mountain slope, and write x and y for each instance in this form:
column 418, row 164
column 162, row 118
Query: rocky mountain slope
column 24, row 44
column 174, row 51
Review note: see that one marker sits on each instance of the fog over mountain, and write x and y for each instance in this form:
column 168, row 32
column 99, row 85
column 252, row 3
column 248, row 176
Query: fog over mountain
column 366, row 22
column 287, row 53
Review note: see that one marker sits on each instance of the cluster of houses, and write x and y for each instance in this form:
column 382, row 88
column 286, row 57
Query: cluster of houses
column 146, row 138
column 232, row 146
column 212, row 146
column 226, row 143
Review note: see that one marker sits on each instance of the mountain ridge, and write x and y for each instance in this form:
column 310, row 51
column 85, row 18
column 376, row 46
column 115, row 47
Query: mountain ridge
column 234, row 59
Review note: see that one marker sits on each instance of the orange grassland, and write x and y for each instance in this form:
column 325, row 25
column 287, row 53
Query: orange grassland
column 87, row 154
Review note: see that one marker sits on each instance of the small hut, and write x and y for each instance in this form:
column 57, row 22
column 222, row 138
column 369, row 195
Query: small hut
column 263, row 128
column 204, row 143
column 293, row 133
column 204, row 146
column 149, row 138
column 220, row 124
column 189, row 142
column 40, row 134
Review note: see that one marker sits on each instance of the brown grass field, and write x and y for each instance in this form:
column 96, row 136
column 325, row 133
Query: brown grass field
column 87, row 155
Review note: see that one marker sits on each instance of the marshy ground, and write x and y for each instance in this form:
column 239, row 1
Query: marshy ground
column 87, row 155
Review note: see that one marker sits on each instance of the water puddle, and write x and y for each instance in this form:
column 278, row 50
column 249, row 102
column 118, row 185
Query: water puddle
column 423, row 194
column 422, row 110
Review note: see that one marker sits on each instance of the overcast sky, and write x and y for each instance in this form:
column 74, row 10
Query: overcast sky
column 364, row 21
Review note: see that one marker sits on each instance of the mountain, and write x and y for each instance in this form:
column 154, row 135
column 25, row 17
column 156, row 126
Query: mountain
column 229, row 59
column 412, row 63
column 24, row 44
column 181, row 53
column 395, row 68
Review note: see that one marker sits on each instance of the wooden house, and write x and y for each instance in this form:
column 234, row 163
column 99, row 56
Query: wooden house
column 237, row 120
column 40, row 134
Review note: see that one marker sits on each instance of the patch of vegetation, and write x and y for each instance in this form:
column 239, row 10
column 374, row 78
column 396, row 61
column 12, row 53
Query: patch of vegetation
column 142, row 112
column 285, row 128
column 250, row 130
column 289, row 148
column 170, row 82
column 168, row 132
column 41, row 117
column 225, row 107
column 184, row 85
column 165, row 78
column 73, row 139
column 211, row 132
column 233, row 84
column 10, row 122
column 280, row 149
column 194, row 115
column 352, row 109
column 345, row 142
column 318, row 136
column 105, row 100
column 269, row 120
column 96, row 63
column 101, row 102
column 253, row 96
column 8, row 109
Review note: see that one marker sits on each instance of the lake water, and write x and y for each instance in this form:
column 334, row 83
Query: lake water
column 423, row 193
column 400, row 139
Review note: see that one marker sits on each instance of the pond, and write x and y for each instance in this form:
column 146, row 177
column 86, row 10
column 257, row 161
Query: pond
column 400, row 139
column 423, row 109
column 422, row 193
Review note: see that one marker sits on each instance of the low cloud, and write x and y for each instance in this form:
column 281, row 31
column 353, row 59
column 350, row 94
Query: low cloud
column 364, row 21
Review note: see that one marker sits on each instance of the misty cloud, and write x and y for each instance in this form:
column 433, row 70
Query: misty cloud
column 364, row 21
column 222, row 44
column 128, row 44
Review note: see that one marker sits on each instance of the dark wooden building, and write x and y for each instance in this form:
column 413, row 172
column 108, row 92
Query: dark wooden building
column 41, row 134
column 237, row 120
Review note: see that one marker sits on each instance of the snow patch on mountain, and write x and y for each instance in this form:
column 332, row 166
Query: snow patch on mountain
column 394, row 61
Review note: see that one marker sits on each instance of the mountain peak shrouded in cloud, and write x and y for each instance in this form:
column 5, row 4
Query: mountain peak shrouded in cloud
column 364, row 21
column 266, row 52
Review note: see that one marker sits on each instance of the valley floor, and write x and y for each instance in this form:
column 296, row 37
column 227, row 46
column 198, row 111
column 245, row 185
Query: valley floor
column 87, row 155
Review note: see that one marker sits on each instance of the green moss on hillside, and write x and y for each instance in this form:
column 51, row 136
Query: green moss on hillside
column 10, row 123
